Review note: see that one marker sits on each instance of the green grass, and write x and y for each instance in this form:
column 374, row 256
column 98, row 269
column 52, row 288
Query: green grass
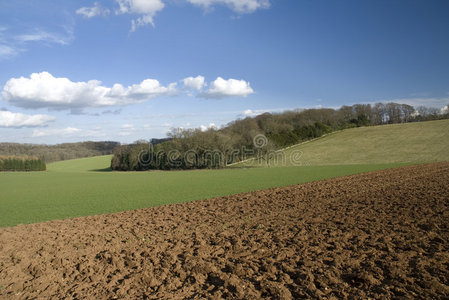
column 421, row 142
column 70, row 188
column 97, row 163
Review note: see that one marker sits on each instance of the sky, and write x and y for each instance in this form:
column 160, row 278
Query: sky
column 125, row 70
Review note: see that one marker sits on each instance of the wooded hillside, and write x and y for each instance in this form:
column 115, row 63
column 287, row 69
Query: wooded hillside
column 256, row 136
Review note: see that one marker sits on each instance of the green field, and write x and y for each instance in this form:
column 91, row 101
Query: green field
column 421, row 142
column 85, row 187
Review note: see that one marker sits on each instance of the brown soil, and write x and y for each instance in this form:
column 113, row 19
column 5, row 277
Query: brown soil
column 382, row 234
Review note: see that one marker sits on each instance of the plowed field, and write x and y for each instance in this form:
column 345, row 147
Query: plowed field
column 381, row 234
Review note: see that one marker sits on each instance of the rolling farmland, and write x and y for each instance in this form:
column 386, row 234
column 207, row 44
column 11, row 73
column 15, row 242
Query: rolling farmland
column 84, row 187
column 279, row 232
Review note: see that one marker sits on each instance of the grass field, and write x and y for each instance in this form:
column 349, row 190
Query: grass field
column 85, row 187
column 405, row 143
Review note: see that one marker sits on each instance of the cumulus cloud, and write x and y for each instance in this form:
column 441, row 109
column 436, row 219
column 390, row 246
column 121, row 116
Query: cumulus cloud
column 239, row 6
column 196, row 83
column 221, row 88
column 42, row 90
column 90, row 12
column 17, row 120
column 147, row 9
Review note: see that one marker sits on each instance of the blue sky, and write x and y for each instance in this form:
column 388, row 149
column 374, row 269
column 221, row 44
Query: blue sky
column 125, row 70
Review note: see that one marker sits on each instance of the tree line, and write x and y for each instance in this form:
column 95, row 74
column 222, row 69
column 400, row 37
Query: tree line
column 21, row 163
column 216, row 148
column 52, row 153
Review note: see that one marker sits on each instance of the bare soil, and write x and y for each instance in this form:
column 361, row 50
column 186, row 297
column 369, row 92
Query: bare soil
column 379, row 235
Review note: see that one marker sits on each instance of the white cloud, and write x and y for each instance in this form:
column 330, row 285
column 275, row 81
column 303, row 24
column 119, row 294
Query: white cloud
column 7, row 52
column 90, row 12
column 256, row 112
column 445, row 109
column 147, row 9
column 42, row 90
column 46, row 37
column 221, row 88
column 239, row 6
column 250, row 113
column 253, row 113
column 127, row 129
column 12, row 45
column 17, row 120
column 67, row 132
column 205, row 128
column 196, row 83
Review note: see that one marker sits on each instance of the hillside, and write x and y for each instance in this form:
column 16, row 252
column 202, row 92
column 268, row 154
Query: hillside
column 191, row 148
column 418, row 142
